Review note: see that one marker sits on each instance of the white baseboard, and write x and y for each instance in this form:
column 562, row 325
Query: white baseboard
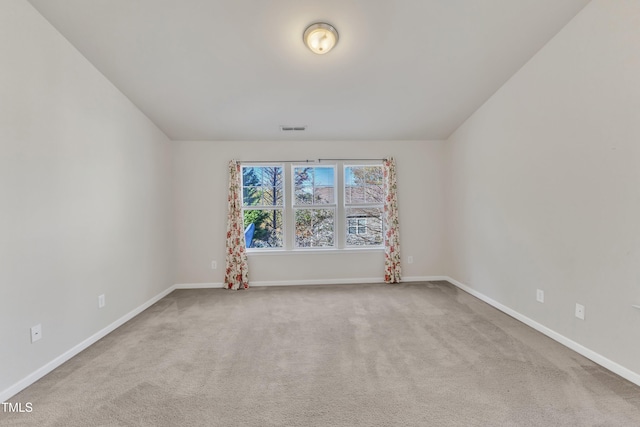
column 199, row 286
column 614, row 367
column 260, row 283
column 424, row 278
column 44, row 370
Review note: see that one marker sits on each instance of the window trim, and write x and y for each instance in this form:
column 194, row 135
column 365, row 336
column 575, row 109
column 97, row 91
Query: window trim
column 339, row 206
column 281, row 208
column 313, row 206
column 364, row 205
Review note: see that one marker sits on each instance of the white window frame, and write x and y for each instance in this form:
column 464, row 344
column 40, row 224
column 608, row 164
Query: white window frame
column 311, row 206
column 364, row 205
column 340, row 226
column 267, row 207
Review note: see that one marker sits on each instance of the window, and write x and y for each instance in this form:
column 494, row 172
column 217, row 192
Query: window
column 314, row 206
column 331, row 206
column 356, row 225
column 263, row 206
column 363, row 201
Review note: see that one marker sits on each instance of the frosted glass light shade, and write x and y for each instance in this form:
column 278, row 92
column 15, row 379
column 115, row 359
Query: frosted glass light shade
column 320, row 37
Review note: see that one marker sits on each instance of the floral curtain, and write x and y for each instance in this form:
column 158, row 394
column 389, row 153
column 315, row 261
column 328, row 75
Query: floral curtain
column 392, row 270
column 236, row 274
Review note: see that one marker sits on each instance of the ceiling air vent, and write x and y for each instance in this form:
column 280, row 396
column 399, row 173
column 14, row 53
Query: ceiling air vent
column 293, row 128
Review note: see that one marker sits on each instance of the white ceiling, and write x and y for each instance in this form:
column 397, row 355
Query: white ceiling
column 237, row 69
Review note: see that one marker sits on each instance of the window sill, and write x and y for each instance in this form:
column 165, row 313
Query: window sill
column 276, row 252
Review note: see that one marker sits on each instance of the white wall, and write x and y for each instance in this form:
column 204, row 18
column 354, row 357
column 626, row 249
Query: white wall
column 84, row 197
column 200, row 198
column 540, row 188
column 543, row 186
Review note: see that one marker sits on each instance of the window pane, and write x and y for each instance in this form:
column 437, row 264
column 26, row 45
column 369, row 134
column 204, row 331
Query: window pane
column 355, row 195
column 251, row 175
column 323, row 195
column 374, row 194
column 367, row 226
column 251, row 196
column 262, row 186
column 363, row 184
column 272, row 184
column 323, row 176
column 272, row 196
column 314, row 227
column 314, row 185
column 263, row 228
column 304, row 195
column 303, row 176
column 271, row 175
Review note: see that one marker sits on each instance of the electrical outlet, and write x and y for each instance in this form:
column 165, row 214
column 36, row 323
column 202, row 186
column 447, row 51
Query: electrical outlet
column 410, row 259
column 101, row 301
column 214, row 265
column 540, row 295
column 580, row 311
column 36, row 333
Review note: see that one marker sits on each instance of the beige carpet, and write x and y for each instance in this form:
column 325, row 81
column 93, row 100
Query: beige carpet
column 423, row 354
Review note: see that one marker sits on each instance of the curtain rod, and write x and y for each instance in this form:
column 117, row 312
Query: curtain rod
column 347, row 160
column 311, row 161
column 277, row 161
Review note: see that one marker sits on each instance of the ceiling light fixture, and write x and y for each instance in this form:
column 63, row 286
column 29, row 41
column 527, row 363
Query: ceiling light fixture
column 320, row 37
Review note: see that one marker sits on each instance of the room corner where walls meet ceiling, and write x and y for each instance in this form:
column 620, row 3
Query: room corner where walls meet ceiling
column 238, row 70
